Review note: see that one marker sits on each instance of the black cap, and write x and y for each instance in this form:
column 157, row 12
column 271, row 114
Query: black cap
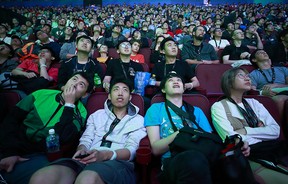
column 86, row 37
column 168, row 76
column 162, row 44
column 127, row 82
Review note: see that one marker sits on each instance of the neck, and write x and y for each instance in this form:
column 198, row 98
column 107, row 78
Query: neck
column 103, row 54
column 96, row 35
column 114, row 35
column 217, row 38
column 82, row 57
column 264, row 65
column 170, row 60
column 237, row 96
column 120, row 112
column 125, row 58
column 133, row 53
column 237, row 43
column 197, row 42
column 176, row 99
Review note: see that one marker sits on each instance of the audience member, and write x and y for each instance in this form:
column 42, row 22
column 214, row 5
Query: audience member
column 135, row 56
column 217, row 42
column 115, row 38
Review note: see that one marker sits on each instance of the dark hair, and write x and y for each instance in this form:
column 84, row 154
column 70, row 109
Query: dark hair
column 134, row 40
column 89, row 78
column 228, row 78
column 282, row 34
column 162, row 44
column 53, row 54
column 168, row 76
column 11, row 53
column 127, row 82
column 195, row 28
column 86, row 37
column 253, row 56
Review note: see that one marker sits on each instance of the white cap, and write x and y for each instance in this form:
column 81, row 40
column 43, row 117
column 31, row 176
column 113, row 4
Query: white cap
column 51, row 131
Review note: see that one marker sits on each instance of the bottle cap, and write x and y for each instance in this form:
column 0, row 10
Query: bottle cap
column 52, row 131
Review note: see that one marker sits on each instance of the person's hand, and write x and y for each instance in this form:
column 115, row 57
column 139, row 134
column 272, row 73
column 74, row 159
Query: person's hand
column 30, row 75
column 95, row 156
column 244, row 55
column 188, row 86
column 267, row 91
column 69, row 94
column 8, row 163
column 106, row 86
column 245, row 149
column 207, row 62
column 42, row 61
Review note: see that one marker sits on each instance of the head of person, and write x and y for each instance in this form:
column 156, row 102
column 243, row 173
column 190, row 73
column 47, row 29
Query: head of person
column 124, row 48
column 136, row 35
column 68, row 30
column 120, row 92
column 117, row 29
column 41, row 35
column 84, row 43
column 217, row 32
column 16, row 41
column 284, row 36
column 237, row 34
column 257, row 56
column 103, row 49
column 6, row 50
column 235, row 79
column 199, row 32
column 46, row 28
column 136, row 44
column 3, row 28
column 230, row 27
column 172, row 84
column 82, row 82
column 169, row 47
column 47, row 53
column 97, row 29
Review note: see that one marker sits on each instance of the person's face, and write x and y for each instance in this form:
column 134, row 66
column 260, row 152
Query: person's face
column 16, row 42
column 84, row 44
column 173, row 86
column 4, row 50
column 62, row 22
column 79, row 83
column 80, row 25
column 97, row 28
column 285, row 38
column 270, row 28
column 2, row 29
column 103, row 48
column 125, row 48
column 238, row 35
column 41, row 35
column 68, row 31
column 137, row 35
column 242, row 81
column 120, row 95
column 199, row 33
column 261, row 55
column 23, row 29
column 218, row 32
column 171, row 48
column 45, row 53
column 135, row 47
column 230, row 27
column 117, row 29
column 46, row 29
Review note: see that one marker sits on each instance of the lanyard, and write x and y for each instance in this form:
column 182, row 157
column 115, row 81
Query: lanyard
column 218, row 46
column 273, row 75
column 165, row 70
column 111, row 128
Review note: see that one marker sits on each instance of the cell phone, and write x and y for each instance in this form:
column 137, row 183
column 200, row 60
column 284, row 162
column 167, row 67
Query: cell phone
column 82, row 156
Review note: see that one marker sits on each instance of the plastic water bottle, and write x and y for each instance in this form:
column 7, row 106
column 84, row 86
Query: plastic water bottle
column 97, row 80
column 152, row 80
column 53, row 146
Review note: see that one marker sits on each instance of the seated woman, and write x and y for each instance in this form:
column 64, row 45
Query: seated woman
column 103, row 51
column 249, row 118
column 135, row 56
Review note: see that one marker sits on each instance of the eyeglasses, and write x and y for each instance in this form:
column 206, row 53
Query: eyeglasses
column 124, row 45
column 243, row 76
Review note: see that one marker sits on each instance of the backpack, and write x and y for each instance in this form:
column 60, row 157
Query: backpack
column 28, row 51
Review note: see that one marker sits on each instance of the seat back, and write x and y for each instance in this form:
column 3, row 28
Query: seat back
column 96, row 101
column 197, row 100
column 249, row 68
column 146, row 53
column 112, row 52
column 8, row 100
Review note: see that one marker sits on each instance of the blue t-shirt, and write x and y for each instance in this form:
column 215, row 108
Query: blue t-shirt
column 258, row 80
column 157, row 116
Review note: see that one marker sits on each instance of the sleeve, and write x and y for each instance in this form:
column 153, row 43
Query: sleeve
column 154, row 56
column 64, row 51
column 63, row 75
column 109, row 70
column 185, row 52
column 68, row 127
column 189, row 71
column 202, row 120
column 221, row 122
column 227, row 51
column 151, row 118
column 10, row 130
column 270, row 131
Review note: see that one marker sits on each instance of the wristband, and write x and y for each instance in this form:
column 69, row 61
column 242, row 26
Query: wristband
column 69, row 105
column 114, row 156
column 43, row 65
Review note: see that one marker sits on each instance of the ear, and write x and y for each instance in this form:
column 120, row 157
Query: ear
column 163, row 90
column 118, row 51
column 52, row 58
column 130, row 97
column 109, row 96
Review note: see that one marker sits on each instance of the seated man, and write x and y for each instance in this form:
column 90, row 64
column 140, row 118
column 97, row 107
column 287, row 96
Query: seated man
column 270, row 81
column 108, row 144
column 236, row 54
column 32, row 75
column 189, row 166
column 170, row 49
column 23, row 132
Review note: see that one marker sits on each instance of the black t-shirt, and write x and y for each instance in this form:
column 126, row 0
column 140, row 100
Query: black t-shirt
column 116, row 68
column 234, row 52
column 180, row 67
